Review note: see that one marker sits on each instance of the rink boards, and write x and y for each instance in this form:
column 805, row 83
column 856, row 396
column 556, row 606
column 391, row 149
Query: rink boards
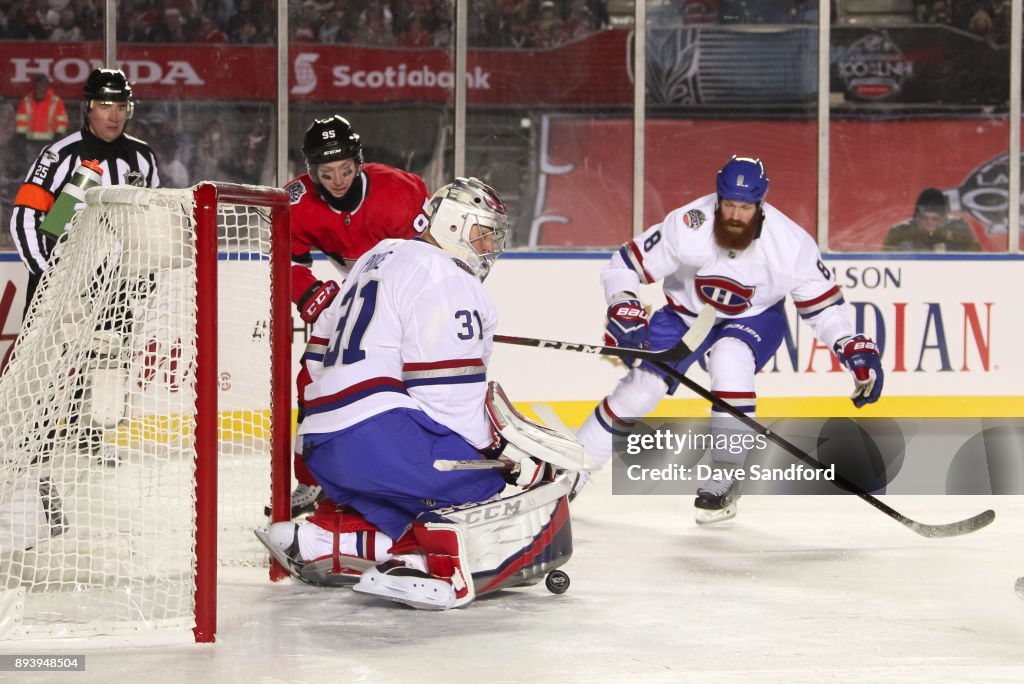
column 947, row 327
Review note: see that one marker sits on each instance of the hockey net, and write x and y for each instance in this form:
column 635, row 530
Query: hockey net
column 139, row 412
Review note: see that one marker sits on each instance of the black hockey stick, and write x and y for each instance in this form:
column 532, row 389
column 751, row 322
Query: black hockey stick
column 952, row 529
column 691, row 340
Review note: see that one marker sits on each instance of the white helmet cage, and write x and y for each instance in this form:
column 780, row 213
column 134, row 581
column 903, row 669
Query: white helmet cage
column 455, row 209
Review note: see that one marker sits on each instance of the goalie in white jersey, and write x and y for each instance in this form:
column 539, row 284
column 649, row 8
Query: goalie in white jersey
column 735, row 252
column 398, row 363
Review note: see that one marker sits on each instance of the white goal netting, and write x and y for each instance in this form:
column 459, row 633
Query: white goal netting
column 97, row 416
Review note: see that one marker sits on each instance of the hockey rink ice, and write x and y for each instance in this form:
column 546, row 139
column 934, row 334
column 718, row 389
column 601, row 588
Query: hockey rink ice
column 795, row 589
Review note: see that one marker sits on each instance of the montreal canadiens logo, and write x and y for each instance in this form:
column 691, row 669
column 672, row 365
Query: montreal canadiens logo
column 694, row 219
column 725, row 294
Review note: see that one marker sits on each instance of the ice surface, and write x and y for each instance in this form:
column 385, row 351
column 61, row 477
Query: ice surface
column 795, row 589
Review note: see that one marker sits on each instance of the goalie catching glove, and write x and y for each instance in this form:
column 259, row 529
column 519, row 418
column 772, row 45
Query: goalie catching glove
column 859, row 355
column 627, row 326
column 317, row 298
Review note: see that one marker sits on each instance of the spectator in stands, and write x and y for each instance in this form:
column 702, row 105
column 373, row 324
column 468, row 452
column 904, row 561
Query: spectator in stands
column 931, row 229
column 67, row 29
column 415, row 35
column 41, row 118
column 989, row 19
column 214, row 153
column 33, row 28
column 375, row 26
column 335, row 28
column 171, row 28
column 248, row 33
column 89, row 14
column 932, row 12
column 209, row 32
column 548, row 30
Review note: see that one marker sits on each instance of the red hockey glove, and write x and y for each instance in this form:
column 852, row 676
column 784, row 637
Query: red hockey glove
column 317, row 298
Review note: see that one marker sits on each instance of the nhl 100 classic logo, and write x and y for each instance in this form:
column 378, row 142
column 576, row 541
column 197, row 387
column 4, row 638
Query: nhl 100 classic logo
column 984, row 194
column 874, row 67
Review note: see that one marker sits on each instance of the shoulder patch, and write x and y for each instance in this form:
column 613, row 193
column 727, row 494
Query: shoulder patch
column 694, row 219
column 295, row 191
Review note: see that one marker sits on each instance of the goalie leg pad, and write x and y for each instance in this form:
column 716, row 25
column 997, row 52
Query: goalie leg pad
column 484, row 547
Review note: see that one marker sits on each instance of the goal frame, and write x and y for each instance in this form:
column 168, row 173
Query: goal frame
column 209, row 195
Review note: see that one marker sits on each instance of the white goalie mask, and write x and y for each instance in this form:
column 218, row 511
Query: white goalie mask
column 469, row 221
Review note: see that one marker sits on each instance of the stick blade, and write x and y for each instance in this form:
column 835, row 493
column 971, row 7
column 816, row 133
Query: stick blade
column 693, row 338
column 954, row 529
column 446, row 465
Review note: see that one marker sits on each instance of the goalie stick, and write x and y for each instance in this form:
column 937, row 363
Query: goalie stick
column 952, row 529
column 702, row 325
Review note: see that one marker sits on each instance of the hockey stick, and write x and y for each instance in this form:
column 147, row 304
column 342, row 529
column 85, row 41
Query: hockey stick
column 691, row 340
column 952, row 529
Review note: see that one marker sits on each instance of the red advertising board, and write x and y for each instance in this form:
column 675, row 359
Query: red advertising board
column 876, row 169
column 590, row 72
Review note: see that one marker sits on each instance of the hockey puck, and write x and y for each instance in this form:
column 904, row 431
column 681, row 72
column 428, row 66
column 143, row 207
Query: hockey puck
column 1019, row 587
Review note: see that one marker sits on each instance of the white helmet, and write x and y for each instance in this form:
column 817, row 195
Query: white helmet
column 455, row 209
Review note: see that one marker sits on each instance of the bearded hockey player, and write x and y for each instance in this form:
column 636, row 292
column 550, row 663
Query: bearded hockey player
column 733, row 251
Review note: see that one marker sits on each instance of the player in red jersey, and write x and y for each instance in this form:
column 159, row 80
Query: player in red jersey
column 342, row 207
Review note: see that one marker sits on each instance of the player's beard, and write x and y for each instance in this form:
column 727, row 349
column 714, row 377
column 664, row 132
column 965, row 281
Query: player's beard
column 734, row 234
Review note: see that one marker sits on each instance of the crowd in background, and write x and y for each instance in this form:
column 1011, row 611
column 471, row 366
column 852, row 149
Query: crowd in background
column 428, row 23
column 382, row 23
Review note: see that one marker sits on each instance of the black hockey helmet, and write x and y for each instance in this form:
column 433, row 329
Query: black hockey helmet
column 330, row 140
column 109, row 85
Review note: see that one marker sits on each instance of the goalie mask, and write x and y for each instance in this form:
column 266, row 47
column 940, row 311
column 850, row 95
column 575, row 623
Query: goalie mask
column 469, row 221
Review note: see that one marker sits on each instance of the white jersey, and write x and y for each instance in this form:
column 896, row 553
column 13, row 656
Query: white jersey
column 682, row 252
column 410, row 328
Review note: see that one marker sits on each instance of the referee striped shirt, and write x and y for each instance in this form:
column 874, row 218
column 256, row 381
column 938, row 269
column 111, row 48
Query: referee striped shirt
column 125, row 161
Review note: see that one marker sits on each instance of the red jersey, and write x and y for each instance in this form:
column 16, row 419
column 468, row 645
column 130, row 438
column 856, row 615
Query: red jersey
column 393, row 206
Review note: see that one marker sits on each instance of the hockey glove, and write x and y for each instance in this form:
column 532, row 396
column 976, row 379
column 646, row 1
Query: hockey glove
column 317, row 298
column 627, row 327
column 859, row 355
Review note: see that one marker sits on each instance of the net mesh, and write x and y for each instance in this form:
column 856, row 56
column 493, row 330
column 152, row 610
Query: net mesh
column 97, row 408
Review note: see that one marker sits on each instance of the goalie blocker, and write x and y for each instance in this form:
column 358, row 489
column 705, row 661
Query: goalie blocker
column 452, row 555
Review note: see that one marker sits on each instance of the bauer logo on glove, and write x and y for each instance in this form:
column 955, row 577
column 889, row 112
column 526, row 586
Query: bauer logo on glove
column 627, row 327
column 859, row 355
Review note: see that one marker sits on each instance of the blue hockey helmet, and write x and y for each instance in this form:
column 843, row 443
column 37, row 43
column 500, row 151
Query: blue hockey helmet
column 742, row 180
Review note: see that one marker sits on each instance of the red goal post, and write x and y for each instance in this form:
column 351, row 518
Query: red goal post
column 208, row 197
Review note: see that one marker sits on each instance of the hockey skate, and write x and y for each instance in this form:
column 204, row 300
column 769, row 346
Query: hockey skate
column 336, row 570
column 304, row 498
column 398, row 582
column 717, row 501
